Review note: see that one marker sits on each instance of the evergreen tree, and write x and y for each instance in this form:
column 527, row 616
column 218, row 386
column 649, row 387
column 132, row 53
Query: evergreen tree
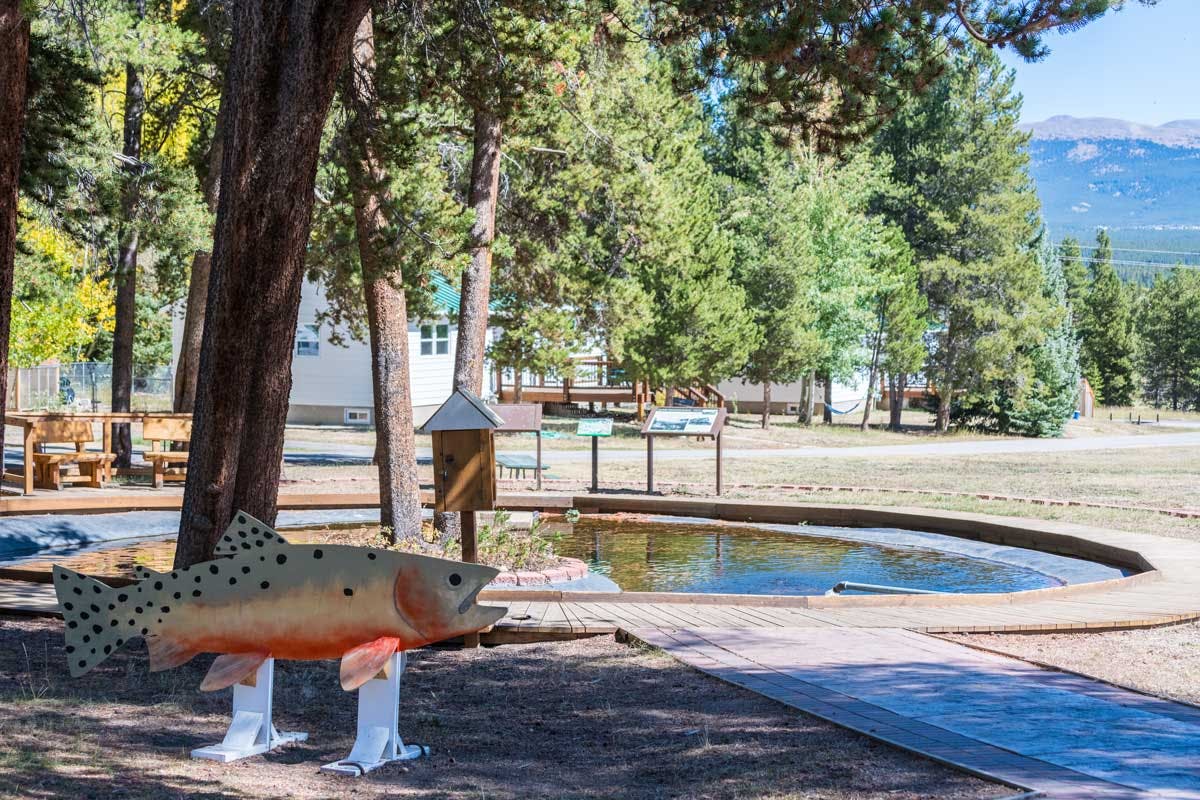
column 1168, row 327
column 1106, row 328
column 969, row 214
column 1075, row 273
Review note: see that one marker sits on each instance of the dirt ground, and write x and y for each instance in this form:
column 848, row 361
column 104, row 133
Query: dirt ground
column 591, row 719
column 1163, row 661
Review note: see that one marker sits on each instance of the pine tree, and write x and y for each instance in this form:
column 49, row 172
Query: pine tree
column 1168, row 326
column 1106, row 331
column 969, row 214
column 1075, row 272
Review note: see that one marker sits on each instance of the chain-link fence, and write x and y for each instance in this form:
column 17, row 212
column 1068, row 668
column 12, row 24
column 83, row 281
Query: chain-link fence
column 86, row 386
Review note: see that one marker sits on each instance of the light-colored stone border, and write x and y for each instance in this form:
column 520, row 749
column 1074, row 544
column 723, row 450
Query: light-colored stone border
column 569, row 569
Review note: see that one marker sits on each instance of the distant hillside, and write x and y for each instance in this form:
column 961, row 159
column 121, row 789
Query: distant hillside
column 1141, row 182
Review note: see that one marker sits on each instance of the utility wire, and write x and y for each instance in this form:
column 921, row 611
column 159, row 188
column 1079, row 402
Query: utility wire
column 1158, row 264
column 1136, row 250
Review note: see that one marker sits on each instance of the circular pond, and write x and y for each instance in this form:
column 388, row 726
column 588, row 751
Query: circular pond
column 677, row 555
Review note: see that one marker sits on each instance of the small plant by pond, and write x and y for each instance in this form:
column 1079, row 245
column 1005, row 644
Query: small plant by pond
column 499, row 544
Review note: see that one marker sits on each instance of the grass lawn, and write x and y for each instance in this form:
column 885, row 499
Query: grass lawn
column 591, row 719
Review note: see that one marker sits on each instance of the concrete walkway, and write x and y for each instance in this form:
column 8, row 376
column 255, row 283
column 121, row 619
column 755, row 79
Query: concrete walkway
column 1057, row 733
column 300, row 451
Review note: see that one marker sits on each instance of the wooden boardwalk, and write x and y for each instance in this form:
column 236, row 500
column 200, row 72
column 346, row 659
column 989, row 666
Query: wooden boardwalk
column 1052, row 732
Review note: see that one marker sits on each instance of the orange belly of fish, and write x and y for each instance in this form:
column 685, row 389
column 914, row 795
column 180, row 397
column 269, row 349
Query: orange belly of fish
column 297, row 647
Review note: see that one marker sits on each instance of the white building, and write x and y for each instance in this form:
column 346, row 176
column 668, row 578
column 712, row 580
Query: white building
column 331, row 384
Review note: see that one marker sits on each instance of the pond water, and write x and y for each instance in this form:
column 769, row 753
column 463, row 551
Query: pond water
column 668, row 555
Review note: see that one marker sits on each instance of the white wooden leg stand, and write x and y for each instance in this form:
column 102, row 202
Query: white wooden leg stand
column 378, row 741
column 251, row 733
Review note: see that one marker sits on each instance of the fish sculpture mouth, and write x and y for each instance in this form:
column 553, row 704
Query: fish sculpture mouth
column 478, row 615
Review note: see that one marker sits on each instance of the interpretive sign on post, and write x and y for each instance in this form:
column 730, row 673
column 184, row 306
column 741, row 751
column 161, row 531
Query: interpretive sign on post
column 595, row 428
column 682, row 421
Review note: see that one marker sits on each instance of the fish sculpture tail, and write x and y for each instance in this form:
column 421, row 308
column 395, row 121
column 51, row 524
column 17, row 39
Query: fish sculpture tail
column 98, row 618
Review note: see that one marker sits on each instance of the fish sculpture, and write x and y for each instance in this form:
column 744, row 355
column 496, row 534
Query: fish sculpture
column 262, row 597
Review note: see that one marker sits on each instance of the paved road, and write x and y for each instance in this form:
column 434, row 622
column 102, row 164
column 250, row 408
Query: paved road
column 1062, row 734
column 299, row 450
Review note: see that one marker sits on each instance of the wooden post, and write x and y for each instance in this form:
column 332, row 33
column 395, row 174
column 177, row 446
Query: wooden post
column 649, row 463
column 27, row 426
column 539, row 459
column 468, row 537
column 719, row 463
column 595, row 464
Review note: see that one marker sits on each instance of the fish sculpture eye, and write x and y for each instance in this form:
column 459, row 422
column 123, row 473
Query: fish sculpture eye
column 455, row 579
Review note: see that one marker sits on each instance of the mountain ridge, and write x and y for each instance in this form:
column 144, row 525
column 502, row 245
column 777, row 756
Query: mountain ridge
column 1062, row 127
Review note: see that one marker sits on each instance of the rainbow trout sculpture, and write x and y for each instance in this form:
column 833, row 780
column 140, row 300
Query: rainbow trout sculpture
column 261, row 598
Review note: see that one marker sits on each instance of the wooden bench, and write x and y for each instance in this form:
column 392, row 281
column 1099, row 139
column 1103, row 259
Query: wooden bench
column 160, row 432
column 517, row 466
column 48, row 467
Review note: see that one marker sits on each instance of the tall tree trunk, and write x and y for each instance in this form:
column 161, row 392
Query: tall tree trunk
column 477, row 278
column 518, row 386
column 827, row 412
column 896, row 387
column 945, row 392
column 766, row 410
column 188, row 366
column 14, row 72
column 810, row 398
column 387, row 313
column 872, row 375
column 284, row 64
column 127, row 256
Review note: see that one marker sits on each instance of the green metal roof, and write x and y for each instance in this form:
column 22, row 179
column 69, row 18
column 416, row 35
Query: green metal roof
column 445, row 295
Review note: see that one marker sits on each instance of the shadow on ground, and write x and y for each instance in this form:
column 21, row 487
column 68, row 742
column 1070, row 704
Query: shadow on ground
column 590, row 719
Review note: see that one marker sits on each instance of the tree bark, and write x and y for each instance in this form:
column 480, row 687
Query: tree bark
column 188, row 366
column 14, row 73
column 387, row 312
column 942, row 424
column 477, row 278
column 127, row 256
column 872, row 374
column 810, row 398
column 827, row 412
column 766, row 412
column 896, row 387
column 284, row 64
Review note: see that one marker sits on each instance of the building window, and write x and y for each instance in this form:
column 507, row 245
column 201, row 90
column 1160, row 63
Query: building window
column 308, row 340
column 356, row 416
column 435, row 339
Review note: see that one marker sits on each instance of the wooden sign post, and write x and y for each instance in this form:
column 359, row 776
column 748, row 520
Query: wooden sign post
column 464, row 461
column 595, row 428
column 683, row 421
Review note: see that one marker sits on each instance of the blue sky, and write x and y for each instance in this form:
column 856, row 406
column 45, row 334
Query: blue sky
column 1141, row 64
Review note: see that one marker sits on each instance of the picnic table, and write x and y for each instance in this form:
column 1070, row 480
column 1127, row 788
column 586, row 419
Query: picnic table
column 517, row 465
column 29, row 421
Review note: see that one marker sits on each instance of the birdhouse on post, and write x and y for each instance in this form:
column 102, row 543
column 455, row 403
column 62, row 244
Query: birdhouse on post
column 464, row 460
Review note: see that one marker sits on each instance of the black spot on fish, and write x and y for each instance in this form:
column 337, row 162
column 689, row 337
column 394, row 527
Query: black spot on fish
column 138, row 610
column 264, row 585
column 72, row 624
column 198, row 579
column 68, row 606
column 241, row 519
column 178, row 595
column 63, row 576
column 158, row 586
column 112, row 624
column 132, row 622
column 258, row 542
column 96, row 589
column 232, row 581
column 87, row 638
column 111, row 607
column 213, row 569
column 174, row 574
column 245, row 545
column 84, row 615
column 122, row 597
column 196, row 593
column 245, row 570
column 95, row 608
column 77, row 590
column 97, row 629
column 82, row 663
column 281, row 559
column 317, row 553
column 371, row 556
column 242, row 534
column 70, row 648
column 107, row 649
column 348, row 592
column 166, row 609
column 120, row 642
column 145, row 631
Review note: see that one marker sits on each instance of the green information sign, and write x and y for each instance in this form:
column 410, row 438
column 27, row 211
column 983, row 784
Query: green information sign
column 595, row 427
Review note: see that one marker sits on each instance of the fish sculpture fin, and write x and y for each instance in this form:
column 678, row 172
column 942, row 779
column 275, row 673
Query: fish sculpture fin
column 166, row 653
column 97, row 619
column 145, row 573
column 364, row 662
column 247, row 533
column 231, row 668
